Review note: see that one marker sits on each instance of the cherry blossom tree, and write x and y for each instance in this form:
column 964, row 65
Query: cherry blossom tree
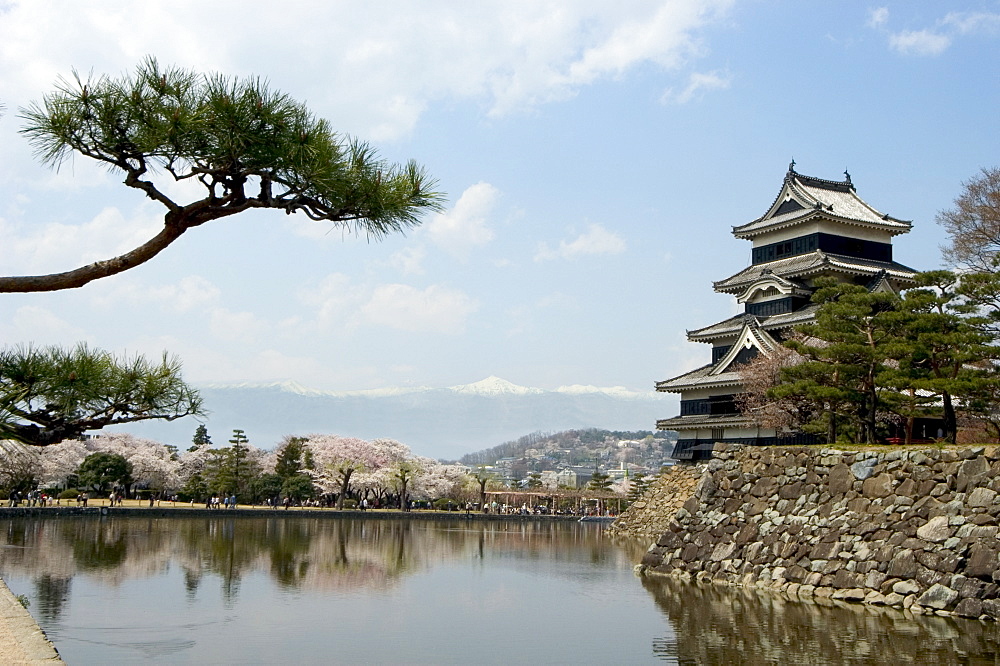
column 337, row 459
column 437, row 479
column 20, row 465
column 60, row 461
column 153, row 464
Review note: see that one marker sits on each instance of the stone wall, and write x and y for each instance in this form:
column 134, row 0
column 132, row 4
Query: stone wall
column 650, row 516
column 915, row 529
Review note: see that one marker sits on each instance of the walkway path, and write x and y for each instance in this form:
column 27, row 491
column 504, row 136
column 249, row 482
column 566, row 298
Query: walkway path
column 21, row 640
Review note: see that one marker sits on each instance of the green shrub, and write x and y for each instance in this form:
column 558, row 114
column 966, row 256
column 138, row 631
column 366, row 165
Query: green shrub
column 442, row 504
column 350, row 504
column 69, row 493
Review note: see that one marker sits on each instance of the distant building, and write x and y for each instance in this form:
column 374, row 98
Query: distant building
column 814, row 228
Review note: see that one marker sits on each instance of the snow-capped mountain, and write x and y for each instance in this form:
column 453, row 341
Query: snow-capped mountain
column 436, row 422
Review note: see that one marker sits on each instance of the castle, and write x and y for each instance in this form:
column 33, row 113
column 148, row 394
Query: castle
column 814, row 228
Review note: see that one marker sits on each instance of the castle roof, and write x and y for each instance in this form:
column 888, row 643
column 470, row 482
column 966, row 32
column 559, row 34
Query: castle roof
column 805, row 198
column 812, row 264
column 734, row 325
column 699, row 378
column 694, row 422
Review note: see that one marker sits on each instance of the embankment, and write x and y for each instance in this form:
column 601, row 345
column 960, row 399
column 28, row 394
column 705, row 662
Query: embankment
column 915, row 529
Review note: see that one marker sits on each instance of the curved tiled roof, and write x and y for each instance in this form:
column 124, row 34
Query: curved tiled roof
column 702, row 421
column 805, row 265
column 734, row 325
column 834, row 200
column 699, row 378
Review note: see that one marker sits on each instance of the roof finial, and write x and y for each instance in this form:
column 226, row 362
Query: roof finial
column 847, row 177
column 791, row 166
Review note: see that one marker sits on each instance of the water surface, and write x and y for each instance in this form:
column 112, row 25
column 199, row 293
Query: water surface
column 342, row 590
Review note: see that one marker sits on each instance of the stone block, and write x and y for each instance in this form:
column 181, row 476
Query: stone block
column 877, row 486
column 902, row 565
column 969, row 608
column 936, row 530
column 983, row 562
column 981, row 498
column 971, row 473
column 938, row 597
column 906, row 587
column 840, row 479
column 864, row 469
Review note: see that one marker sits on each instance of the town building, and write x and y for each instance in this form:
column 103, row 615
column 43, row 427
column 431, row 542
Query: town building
column 814, row 228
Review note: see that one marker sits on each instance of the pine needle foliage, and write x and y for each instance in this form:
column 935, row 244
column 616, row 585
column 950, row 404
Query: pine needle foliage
column 248, row 146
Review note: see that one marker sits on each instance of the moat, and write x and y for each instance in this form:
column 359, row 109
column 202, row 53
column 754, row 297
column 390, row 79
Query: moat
column 220, row 589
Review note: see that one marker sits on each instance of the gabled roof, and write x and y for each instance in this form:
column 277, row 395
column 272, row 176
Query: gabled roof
column 804, row 198
column 752, row 335
column 769, row 280
column 813, row 263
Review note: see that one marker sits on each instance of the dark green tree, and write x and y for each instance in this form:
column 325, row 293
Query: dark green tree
column 195, row 488
column 944, row 352
column 249, row 147
column 51, row 394
column 599, row 481
column 232, row 469
column 298, row 487
column 845, row 352
column 638, row 486
column 100, row 470
column 264, row 487
column 290, row 457
column 534, row 480
column 201, row 438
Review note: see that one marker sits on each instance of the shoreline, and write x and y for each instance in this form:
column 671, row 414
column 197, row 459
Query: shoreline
column 261, row 512
column 22, row 641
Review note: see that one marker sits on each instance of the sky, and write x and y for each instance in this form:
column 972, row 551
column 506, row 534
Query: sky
column 595, row 157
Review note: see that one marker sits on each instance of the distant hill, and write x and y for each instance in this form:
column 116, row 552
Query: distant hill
column 436, row 422
column 579, row 444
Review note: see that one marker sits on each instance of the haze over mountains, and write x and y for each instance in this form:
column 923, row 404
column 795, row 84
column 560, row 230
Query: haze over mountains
column 435, row 422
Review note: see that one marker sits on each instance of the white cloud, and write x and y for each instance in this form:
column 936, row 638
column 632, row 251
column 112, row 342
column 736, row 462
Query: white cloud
column 409, row 260
column 187, row 294
column 596, row 240
column 919, row 42
column 40, row 326
column 697, row 82
column 878, row 17
column 232, row 326
column 464, row 227
column 395, row 62
column 335, row 300
column 436, row 309
column 972, row 22
column 60, row 247
column 936, row 40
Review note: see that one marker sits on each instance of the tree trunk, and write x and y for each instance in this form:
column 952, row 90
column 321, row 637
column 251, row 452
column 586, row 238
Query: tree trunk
column 83, row 275
column 950, row 419
column 345, row 480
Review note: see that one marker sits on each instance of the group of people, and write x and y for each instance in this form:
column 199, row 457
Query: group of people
column 226, row 502
column 30, row 498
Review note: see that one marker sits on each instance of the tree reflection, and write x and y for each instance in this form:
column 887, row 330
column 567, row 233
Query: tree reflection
column 51, row 592
column 298, row 552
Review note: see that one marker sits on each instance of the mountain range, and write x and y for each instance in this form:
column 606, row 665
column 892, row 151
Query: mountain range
column 435, row 422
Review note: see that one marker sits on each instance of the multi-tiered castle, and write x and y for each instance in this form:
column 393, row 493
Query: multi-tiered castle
column 814, row 228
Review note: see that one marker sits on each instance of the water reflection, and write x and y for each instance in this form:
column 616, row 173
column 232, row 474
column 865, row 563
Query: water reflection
column 270, row 590
column 298, row 553
column 728, row 625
